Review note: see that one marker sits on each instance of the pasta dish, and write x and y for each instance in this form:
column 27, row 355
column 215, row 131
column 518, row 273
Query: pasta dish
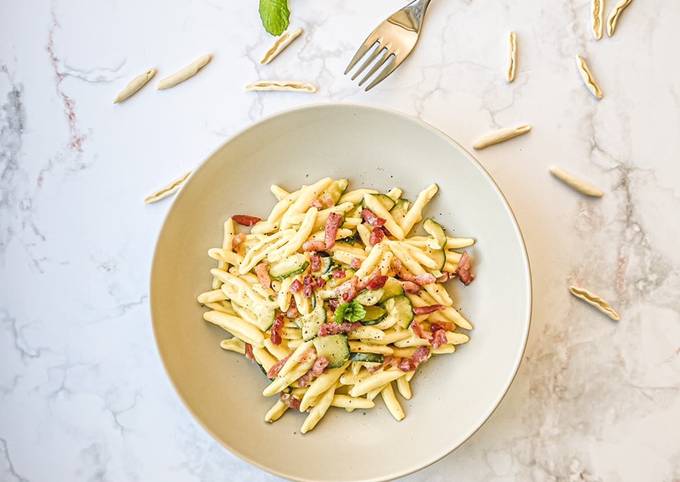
column 335, row 298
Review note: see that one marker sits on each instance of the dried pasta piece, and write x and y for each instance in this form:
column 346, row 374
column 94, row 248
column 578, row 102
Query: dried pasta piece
column 167, row 190
column 596, row 301
column 588, row 78
column 134, row 86
column 512, row 67
column 597, row 12
column 280, row 45
column 577, row 184
column 281, row 86
column 501, row 135
column 615, row 14
column 184, row 74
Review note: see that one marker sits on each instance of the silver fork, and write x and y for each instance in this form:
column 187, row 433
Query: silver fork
column 395, row 38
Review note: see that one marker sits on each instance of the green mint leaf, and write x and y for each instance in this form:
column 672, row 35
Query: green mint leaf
column 275, row 15
column 355, row 312
column 340, row 312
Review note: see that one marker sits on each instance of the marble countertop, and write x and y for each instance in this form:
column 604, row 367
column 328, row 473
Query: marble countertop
column 83, row 394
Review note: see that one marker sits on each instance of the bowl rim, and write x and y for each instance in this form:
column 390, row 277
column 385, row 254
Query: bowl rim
column 444, row 136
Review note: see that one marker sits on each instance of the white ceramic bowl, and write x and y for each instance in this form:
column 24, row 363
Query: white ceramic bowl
column 453, row 394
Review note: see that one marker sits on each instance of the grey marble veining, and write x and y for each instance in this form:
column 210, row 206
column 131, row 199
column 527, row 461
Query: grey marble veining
column 83, row 395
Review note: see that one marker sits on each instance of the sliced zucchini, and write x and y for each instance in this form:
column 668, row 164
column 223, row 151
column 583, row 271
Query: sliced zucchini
column 335, row 282
column 265, row 317
column 290, row 266
column 394, row 194
column 438, row 255
column 400, row 310
column 326, row 265
column 260, row 314
column 367, row 357
column 400, row 209
column 310, row 323
column 349, row 239
column 334, row 347
column 434, row 229
column 373, row 315
column 356, row 211
column 336, row 189
column 385, row 200
column 391, row 289
column 369, row 297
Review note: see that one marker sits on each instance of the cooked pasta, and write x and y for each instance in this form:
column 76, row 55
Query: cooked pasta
column 334, row 299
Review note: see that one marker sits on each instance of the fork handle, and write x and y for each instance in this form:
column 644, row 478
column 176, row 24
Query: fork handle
column 421, row 5
column 417, row 9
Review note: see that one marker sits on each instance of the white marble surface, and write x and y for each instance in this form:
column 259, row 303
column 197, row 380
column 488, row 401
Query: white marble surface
column 83, row 395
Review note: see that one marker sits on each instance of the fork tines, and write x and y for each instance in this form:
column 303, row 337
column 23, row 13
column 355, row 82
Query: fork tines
column 390, row 43
column 375, row 48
